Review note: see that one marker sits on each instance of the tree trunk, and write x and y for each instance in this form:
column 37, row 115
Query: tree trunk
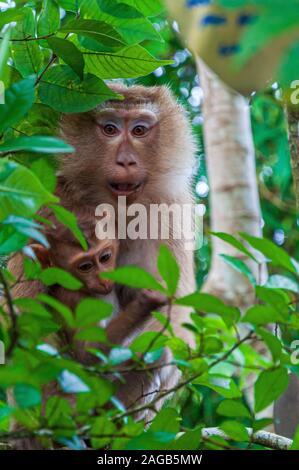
column 234, row 196
column 286, row 409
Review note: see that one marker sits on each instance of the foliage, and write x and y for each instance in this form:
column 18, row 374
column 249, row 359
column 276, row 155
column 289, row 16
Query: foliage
column 60, row 54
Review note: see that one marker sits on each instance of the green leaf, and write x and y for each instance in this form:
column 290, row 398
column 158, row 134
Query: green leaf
column 231, row 240
column 147, row 7
column 271, row 251
column 62, row 89
column 167, row 420
column 21, row 193
column 52, row 276
column 129, row 62
column 233, row 409
column 26, row 227
column 149, row 341
column 295, row 445
column 269, row 386
column 99, row 31
column 62, row 309
column 272, row 342
column 49, row 19
column 277, row 298
column 69, row 53
column 236, row 431
column 102, row 426
column 36, row 143
column 210, row 304
column 92, row 311
column 135, row 277
column 27, row 56
column 68, row 219
column 18, row 100
column 169, row 269
column 225, row 386
column 27, row 396
column 262, row 315
column 240, row 266
column 9, row 15
column 118, row 9
column 92, row 333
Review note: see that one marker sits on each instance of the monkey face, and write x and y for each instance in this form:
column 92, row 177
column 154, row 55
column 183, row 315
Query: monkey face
column 126, row 134
column 88, row 266
column 137, row 147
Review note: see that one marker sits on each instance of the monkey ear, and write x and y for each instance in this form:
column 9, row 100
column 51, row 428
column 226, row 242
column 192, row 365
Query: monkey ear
column 42, row 254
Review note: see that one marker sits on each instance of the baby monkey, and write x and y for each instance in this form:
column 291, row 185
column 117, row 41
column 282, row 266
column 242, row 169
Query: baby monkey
column 66, row 253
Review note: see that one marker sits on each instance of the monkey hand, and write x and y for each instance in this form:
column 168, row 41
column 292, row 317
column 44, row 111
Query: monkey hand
column 150, row 300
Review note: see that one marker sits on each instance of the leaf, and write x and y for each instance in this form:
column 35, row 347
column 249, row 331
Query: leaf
column 167, row 420
column 27, row 396
column 236, row 431
column 231, row 240
column 210, row 304
column 71, row 383
column 91, row 312
column 99, row 31
column 225, row 386
column 233, row 409
column 27, row 56
column 69, row 53
column 26, row 227
column 129, row 62
column 119, row 355
column 21, row 193
column 262, row 315
column 52, row 276
column 135, row 277
column 295, row 445
column 169, row 269
column 62, row 89
column 68, row 219
column 151, row 338
column 282, row 282
column 92, row 333
column 119, row 9
column 269, row 386
column 240, row 266
column 62, row 309
column 271, row 251
column 272, row 342
column 36, row 143
column 49, row 19
column 18, row 100
column 102, row 425
column 147, row 7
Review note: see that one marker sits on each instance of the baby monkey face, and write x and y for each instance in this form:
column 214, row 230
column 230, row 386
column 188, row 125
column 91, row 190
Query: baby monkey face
column 89, row 265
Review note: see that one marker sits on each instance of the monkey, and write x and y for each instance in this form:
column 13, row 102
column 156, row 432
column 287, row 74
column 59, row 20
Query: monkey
column 66, row 253
column 140, row 148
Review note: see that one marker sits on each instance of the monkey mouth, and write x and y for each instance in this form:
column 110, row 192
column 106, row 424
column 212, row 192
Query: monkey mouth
column 125, row 189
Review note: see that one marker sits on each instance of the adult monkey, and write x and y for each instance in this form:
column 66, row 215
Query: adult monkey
column 141, row 148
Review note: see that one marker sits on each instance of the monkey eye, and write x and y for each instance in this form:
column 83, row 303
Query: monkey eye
column 110, row 130
column 85, row 267
column 139, row 131
column 105, row 257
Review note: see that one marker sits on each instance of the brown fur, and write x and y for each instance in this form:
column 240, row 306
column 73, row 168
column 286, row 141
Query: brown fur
column 165, row 162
